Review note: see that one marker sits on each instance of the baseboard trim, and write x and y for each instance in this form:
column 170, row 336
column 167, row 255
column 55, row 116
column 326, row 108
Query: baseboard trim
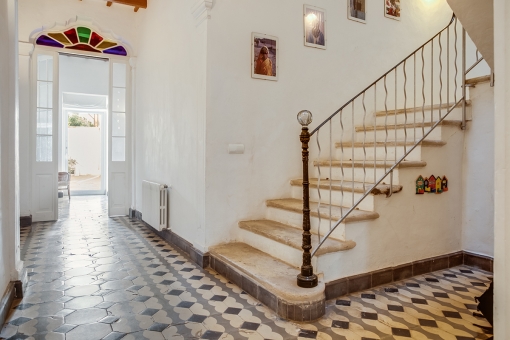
column 25, row 221
column 172, row 238
column 353, row 284
column 6, row 301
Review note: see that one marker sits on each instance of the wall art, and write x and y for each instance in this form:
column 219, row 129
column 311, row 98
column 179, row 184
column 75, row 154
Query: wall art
column 420, row 186
column 314, row 27
column 392, row 9
column 357, row 10
column 264, row 56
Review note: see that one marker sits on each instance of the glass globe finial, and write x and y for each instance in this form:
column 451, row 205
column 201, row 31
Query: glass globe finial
column 304, row 117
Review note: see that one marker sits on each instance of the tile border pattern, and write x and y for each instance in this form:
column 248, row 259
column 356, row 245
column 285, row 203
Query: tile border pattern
column 172, row 238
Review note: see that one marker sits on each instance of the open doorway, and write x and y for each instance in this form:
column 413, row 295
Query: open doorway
column 84, row 83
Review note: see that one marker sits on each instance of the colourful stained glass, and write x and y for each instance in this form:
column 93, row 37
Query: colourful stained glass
column 84, row 34
column 106, row 44
column 72, row 36
column 95, row 39
column 117, row 50
column 60, row 38
column 82, row 39
column 83, row 47
column 44, row 40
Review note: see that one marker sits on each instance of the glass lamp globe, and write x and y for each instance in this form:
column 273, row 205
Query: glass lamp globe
column 304, row 117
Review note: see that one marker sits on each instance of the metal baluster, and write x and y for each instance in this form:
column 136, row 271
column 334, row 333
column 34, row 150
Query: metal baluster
column 448, row 67
column 375, row 131
column 364, row 141
column 385, row 124
column 395, row 122
column 405, row 108
column 423, row 92
column 414, row 98
column 432, row 82
column 342, row 163
column 463, row 126
column 318, row 185
column 455, row 63
column 330, row 165
column 352, row 153
column 440, row 76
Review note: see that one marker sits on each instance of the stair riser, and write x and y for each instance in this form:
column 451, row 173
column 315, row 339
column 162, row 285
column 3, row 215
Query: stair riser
column 296, row 220
column 381, row 134
column 336, row 173
column 276, row 249
column 401, row 119
column 336, row 197
column 379, row 153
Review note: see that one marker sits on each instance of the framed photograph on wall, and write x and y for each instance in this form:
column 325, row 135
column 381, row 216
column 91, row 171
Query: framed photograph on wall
column 314, row 27
column 264, row 56
column 357, row 10
column 392, row 9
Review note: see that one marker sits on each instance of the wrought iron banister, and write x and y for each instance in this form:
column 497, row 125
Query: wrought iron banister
column 392, row 88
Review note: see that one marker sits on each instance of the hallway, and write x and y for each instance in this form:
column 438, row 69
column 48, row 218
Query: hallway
column 94, row 277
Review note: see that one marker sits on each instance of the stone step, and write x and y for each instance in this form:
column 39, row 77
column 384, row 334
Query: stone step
column 270, row 280
column 347, row 199
column 406, row 126
column 380, row 150
column 444, row 107
column 285, row 242
column 402, row 132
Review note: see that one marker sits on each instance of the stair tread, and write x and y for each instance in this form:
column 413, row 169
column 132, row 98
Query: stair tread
column 370, row 164
column 367, row 145
column 296, row 205
column 269, row 272
column 293, row 237
column 401, row 126
column 381, row 189
column 418, row 109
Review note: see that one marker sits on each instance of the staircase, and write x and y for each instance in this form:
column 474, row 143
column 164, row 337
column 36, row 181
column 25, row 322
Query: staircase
column 372, row 148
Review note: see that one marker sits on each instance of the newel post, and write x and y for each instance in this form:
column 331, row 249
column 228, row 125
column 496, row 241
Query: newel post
column 306, row 279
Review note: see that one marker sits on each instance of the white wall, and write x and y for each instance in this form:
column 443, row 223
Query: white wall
column 9, row 163
column 478, row 174
column 170, row 111
column 34, row 14
column 83, row 75
column 84, row 145
column 502, row 169
column 262, row 114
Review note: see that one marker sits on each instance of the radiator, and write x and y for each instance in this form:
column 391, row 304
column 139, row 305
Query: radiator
column 155, row 205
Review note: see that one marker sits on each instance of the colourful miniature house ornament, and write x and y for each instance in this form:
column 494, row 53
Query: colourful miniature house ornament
column 432, row 184
column 426, row 185
column 420, row 186
column 444, row 184
column 439, row 185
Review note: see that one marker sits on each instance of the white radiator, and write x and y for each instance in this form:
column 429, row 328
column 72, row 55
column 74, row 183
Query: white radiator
column 155, row 205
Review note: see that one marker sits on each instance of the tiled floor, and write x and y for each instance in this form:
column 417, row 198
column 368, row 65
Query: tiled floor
column 92, row 277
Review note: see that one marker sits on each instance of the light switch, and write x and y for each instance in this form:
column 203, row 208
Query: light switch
column 236, row 148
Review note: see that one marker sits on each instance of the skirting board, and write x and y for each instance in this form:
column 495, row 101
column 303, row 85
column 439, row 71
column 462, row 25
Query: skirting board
column 6, row 301
column 172, row 238
column 25, row 221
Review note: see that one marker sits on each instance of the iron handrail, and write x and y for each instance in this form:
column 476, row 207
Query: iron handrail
column 381, row 77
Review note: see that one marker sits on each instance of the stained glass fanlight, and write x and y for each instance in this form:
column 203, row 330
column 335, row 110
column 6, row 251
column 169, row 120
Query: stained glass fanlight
column 83, row 39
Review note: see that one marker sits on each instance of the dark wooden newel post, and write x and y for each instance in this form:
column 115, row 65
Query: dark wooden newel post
column 306, row 279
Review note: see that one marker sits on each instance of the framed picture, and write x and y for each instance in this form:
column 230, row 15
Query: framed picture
column 264, row 56
column 315, row 27
column 392, row 9
column 357, row 10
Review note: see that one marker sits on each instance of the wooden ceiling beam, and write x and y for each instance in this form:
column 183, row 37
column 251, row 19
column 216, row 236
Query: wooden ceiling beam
column 137, row 4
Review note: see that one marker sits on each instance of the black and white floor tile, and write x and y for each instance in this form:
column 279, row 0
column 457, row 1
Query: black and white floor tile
column 93, row 277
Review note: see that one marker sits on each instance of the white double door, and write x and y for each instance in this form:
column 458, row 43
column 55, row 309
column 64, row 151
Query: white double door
column 44, row 139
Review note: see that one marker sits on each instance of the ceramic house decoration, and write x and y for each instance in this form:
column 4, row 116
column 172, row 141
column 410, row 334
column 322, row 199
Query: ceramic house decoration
column 432, row 184
column 439, row 185
column 426, row 185
column 444, row 184
column 420, row 186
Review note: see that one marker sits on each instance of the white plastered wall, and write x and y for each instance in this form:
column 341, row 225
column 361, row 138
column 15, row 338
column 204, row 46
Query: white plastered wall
column 34, row 14
column 478, row 174
column 170, row 106
column 262, row 114
column 502, row 169
column 10, row 264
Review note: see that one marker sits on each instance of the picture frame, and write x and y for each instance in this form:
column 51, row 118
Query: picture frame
column 357, row 10
column 392, row 9
column 314, row 27
column 264, row 65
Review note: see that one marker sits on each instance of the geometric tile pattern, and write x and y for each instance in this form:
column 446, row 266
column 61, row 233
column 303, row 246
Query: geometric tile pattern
column 94, row 277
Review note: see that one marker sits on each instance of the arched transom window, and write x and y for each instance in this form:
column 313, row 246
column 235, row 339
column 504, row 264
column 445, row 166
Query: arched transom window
column 83, row 39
